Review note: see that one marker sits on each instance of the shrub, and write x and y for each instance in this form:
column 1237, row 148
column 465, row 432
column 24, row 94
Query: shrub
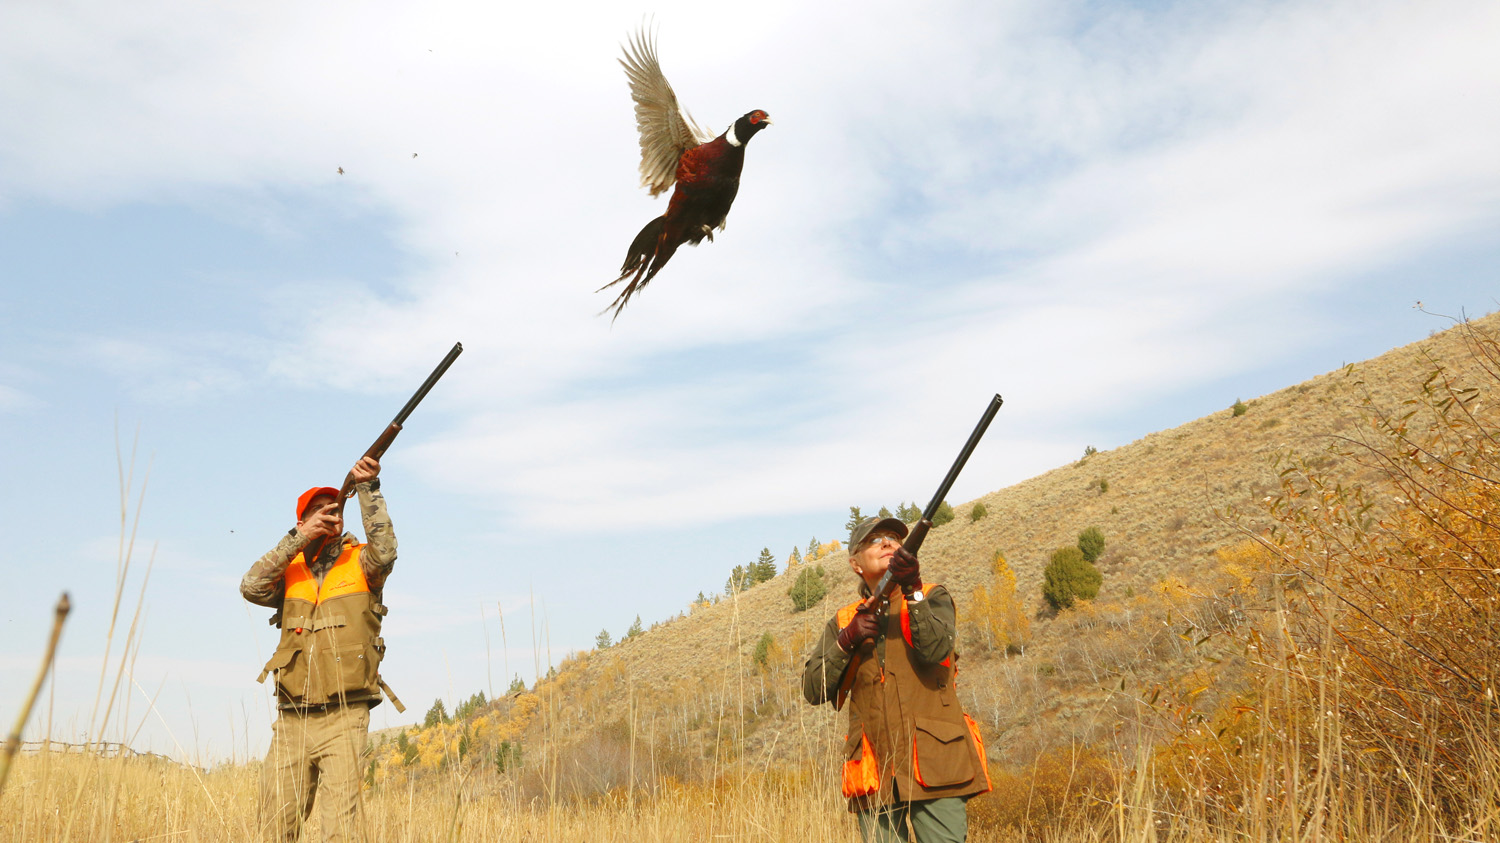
column 1070, row 577
column 809, row 589
column 977, row 512
column 1239, row 408
column 1103, row 485
column 1091, row 544
column 1089, row 451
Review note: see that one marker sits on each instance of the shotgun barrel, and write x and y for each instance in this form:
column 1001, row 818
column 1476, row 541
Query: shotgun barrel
column 879, row 597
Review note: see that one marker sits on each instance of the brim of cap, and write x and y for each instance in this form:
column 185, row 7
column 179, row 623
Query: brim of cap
column 308, row 495
column 895, row 525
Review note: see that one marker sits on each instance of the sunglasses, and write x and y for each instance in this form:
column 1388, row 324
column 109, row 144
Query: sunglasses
column 882, row 541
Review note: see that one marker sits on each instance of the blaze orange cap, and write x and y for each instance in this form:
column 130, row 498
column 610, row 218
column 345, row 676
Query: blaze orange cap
column 308, row 495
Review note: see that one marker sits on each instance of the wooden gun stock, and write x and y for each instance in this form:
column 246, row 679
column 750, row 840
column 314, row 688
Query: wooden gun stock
column 879, row 598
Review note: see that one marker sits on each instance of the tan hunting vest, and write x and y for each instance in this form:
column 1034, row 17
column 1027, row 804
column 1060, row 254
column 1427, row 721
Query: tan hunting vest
column 330, row 646
column 905, row 723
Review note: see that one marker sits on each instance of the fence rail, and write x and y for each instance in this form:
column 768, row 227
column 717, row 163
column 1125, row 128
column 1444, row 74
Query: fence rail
column 103, row 749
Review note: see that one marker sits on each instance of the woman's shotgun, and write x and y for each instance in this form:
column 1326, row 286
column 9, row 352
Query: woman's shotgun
column 388, row 435
column 879, row 599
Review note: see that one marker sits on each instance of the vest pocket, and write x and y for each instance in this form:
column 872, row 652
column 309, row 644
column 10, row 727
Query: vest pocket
column 355, row 667
column 861, row 770
column 940, row 755
column 290, row 672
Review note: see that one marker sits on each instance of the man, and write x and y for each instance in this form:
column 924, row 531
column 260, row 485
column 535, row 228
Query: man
column 911, row 755
column 326, row 588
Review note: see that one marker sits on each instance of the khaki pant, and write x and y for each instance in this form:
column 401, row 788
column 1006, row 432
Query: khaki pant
column 314, row 754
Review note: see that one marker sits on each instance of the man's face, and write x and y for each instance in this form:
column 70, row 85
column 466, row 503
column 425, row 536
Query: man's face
column 873, row 556
column 316, row 505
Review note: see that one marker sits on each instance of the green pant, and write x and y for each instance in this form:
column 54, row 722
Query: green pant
column 314, row 753
column 932, row 821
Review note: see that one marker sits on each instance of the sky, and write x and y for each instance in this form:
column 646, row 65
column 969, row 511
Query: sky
column 1120, row 216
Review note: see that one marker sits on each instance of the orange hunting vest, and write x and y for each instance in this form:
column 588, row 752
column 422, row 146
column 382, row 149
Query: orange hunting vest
column 330, row 646
column 905, row 724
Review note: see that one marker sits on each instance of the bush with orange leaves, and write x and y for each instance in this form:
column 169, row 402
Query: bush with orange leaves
column 1388, row 589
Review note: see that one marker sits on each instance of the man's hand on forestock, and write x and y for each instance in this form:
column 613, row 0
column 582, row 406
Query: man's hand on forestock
column 863, row 626
column 906, row 571
column 367, row 469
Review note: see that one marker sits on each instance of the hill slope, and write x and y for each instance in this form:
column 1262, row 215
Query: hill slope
column 688, row 698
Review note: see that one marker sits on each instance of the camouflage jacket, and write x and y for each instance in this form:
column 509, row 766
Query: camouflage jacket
column 265, row 583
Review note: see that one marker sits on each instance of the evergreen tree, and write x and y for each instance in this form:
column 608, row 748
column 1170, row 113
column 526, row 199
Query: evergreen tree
column 909, row 513
column 812, row 549
column 435, row 715
column 516, row 686
column 794, row 560
column 602, row 641
column 740, row 579
column 765, row 567
column 635, row 629
column 854, row 519
column 885, row 513
column 1091, row 544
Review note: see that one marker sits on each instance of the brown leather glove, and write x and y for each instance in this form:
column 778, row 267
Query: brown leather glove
column 906, row 571
column 863, row 626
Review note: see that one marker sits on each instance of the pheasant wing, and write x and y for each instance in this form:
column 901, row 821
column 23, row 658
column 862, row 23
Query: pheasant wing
column 666, row 129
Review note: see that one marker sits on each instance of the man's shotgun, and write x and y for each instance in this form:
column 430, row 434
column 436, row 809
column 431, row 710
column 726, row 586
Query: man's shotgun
column 879, row 599
column 388, row 435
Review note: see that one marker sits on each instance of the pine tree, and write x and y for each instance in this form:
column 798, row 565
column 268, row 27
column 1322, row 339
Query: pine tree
column 854, row 519
column 602, row 641
column 635, row 629
column 794, row 560
column 516, row 686
column 812, row 549
column 885, row 513
column 435, row 715
column 765, row 567
column 909, row 513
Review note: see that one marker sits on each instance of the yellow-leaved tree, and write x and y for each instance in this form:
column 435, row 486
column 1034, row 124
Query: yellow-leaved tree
column 996, row 619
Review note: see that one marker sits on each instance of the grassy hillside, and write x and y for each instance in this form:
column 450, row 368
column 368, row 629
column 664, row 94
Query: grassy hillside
column 689, row 699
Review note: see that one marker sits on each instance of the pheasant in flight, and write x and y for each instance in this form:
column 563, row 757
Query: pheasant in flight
column 674, row 149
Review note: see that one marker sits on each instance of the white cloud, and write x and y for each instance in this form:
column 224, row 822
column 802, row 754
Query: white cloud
column 1023, row 199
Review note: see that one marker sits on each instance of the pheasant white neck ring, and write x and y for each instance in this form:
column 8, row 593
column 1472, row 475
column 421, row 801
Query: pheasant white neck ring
column 730, row 136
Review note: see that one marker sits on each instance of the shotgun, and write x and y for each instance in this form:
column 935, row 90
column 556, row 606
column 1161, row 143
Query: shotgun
column 879, row 599
column 388, row 435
